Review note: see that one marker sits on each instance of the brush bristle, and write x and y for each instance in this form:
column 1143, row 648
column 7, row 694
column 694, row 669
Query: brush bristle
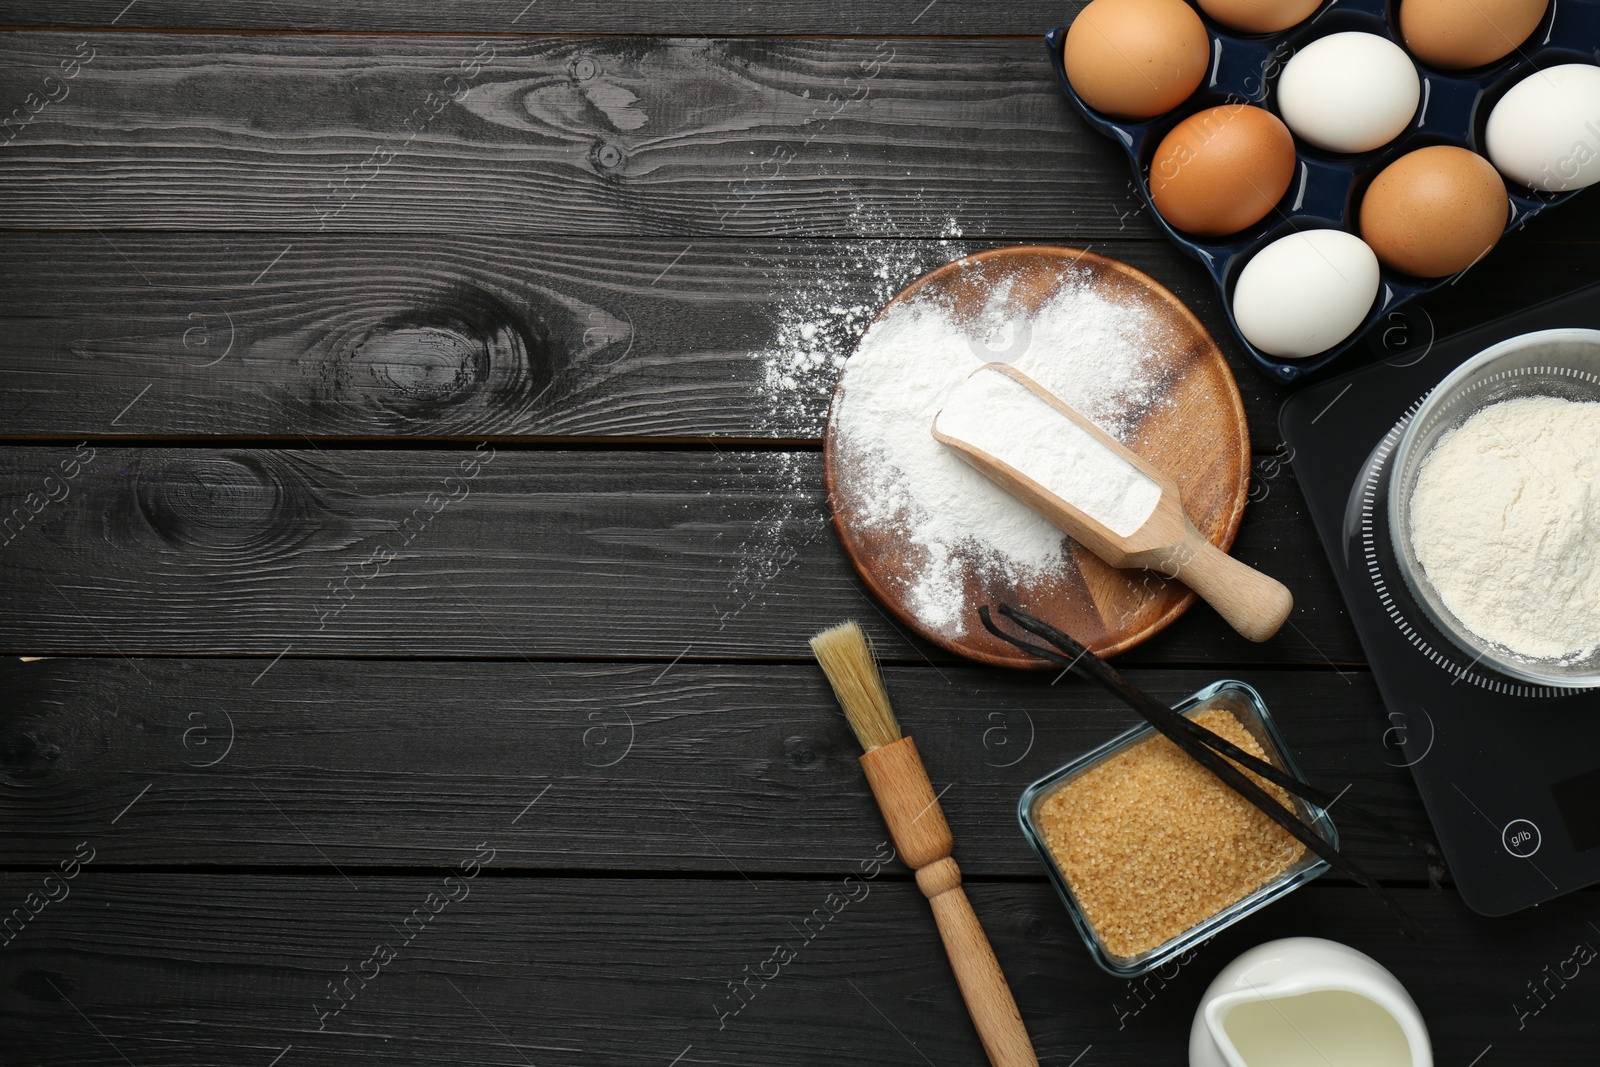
column 846, row 658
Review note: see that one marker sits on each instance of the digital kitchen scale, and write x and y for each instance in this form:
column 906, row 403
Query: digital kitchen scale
column 1509, row 771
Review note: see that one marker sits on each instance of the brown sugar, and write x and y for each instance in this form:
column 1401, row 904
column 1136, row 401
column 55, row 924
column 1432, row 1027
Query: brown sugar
column 1152, row 843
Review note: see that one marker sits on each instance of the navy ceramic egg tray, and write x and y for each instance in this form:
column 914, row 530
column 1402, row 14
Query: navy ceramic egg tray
column 1327, row 187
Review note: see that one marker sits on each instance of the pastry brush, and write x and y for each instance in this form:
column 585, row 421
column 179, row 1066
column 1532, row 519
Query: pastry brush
column 922, row 839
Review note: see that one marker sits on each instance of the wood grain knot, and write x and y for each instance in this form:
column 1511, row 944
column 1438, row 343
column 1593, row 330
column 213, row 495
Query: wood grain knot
column 622, row 96
column 803, row 754
column 244, row 502
column 462, row 362
column 49, row 987
column 423, row 364
column 24, row 756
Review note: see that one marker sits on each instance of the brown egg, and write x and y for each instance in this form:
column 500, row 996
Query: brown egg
column 1259, row 16
column 1221, row 170
column 1134, row 59
column 1434, row 211
column 1456, row 34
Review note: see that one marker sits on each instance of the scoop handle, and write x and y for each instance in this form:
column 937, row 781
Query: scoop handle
column 1252, row 603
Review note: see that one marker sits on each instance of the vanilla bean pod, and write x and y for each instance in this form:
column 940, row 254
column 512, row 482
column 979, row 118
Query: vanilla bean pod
column 1165, row 720
column 1118, row 684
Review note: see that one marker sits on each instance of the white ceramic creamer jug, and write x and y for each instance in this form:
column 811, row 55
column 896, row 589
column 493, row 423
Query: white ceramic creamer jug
column 1307, row 1002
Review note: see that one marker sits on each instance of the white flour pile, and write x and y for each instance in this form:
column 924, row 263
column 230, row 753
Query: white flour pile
column 1505, row 519
column 1001, row 416
column 1087, row 350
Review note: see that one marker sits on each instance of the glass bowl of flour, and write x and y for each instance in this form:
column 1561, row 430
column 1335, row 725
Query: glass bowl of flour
column 1494, row 507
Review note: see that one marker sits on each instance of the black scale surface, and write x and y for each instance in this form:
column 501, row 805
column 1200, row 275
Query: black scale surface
column 1510, row 772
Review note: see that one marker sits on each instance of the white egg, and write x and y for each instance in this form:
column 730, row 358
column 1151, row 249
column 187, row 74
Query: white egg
column 1349, row 92
column 1306, row 292
column 1545, row 133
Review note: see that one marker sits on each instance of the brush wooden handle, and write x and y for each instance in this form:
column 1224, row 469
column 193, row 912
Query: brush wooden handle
column 1250, row 602
column 923, row 841
column 983, row 985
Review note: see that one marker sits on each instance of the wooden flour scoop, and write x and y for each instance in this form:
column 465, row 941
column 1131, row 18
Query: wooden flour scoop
column 1166, row 541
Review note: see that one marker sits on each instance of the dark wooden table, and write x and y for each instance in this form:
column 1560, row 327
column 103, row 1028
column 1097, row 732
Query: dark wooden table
column 418, row 548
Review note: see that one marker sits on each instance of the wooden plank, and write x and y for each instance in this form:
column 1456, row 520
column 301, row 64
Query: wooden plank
column 568, row 136
column 489, row 552
column 562, row 136
column 690, row 18
column 377, row 335
column 189, row 969
column 368, row 763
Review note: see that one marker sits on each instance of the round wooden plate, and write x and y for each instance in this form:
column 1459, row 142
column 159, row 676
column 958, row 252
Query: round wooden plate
column 1196, row 433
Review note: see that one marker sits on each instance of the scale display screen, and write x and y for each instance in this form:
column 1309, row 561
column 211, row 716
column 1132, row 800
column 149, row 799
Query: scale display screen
column 1578, row 800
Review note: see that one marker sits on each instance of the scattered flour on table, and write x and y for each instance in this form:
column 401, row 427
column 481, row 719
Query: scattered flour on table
column 1505, row 519
column 1091, row 352
column 815, row 326
column 818, row 324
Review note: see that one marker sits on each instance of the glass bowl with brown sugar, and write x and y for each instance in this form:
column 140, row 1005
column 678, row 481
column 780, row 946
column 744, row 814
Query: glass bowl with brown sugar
column 1151, row 853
